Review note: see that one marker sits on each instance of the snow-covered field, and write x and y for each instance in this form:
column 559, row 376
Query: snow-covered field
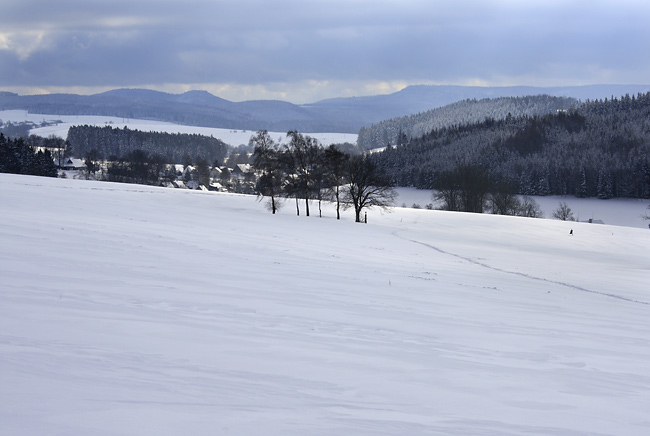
column 617, row 211
column 134, row 310
column 231, row 137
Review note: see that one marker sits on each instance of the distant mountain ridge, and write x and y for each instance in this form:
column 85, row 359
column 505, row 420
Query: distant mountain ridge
column 342, row 115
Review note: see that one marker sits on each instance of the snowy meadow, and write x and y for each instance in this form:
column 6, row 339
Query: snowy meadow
column 136, row 310
column 627, row 212
column 59, row 125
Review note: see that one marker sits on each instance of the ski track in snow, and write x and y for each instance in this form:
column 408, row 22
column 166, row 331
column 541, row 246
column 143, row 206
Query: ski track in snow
column 528, row 276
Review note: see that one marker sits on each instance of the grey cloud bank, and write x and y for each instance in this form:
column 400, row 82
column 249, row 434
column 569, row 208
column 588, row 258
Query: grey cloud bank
column 303, row 51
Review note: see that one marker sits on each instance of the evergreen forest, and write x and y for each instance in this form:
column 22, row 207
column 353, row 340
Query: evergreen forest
column 113, row 143
column 398, row 131
column 598, row 149
column 17, row 156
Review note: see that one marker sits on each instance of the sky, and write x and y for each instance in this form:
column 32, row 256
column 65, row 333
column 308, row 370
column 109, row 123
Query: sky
column 304, row 51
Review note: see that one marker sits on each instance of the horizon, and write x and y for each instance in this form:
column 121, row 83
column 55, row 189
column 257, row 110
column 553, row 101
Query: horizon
column 91, row 92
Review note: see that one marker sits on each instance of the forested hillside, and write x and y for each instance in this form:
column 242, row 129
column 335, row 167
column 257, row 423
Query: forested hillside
column 173, row 148
column 401, row 129
column 600, row 149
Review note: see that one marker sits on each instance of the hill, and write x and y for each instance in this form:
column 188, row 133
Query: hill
column 131, row 310
column 599, row 149
column 463, row 112
column 58, row 125
column 341, row 115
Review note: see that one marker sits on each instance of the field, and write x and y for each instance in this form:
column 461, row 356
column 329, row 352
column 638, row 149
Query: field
column 616, row 211
column 135, row 310
column 61, row 124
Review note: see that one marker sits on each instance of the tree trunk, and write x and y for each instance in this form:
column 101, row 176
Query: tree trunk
column 338, row 204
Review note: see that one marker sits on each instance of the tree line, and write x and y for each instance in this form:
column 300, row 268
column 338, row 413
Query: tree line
column 599, row 149
column 110, row 143
column 305, row 171
column 18, row 156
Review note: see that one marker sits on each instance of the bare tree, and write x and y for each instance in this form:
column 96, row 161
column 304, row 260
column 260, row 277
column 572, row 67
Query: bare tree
column 448, row 192
column 563, row 212
column 58, row 149
column 367, row 186
column 530, row 208
column 475, row 186
column 464, row 188
column 646, row 216
column 93, row 157
column 266, row 162
column 503, row 200
column 305, row 156
column 202, row 168
column 336, row 162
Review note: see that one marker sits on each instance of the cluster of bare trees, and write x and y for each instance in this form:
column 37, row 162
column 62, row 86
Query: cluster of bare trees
column 308, row 172
column 468, row 188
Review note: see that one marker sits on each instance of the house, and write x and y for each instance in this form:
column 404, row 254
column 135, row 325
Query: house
column 240, row 171
column 187, row 172
column 71, row 164
column 215, row 173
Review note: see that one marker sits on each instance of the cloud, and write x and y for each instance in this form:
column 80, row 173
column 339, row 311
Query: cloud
column 258, row 45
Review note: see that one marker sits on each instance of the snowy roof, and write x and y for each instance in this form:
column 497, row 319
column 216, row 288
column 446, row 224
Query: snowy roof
column 242, row 168
column 75, row 163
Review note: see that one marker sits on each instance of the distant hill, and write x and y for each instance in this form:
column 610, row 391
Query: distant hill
column 343, row 115
column 599, row 149
column 399, row 130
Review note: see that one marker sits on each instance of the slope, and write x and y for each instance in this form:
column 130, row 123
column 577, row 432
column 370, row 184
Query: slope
column 135, row 310
column 459, row 113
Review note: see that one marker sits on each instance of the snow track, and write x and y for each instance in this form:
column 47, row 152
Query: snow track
column 528, row 276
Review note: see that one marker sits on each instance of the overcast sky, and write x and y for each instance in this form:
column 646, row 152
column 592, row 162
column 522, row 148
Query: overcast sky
column 303, row 51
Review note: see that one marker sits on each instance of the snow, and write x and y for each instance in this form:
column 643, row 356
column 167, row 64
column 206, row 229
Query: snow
column 229, row 136
column 617, row 211
column 135, row 310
